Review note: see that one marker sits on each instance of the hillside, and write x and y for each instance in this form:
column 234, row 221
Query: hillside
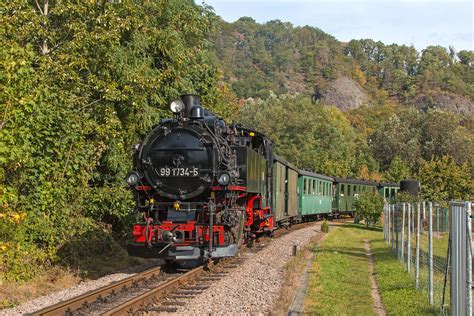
column 276, row 57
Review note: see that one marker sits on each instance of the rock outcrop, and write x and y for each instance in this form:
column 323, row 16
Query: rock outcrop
column 344, row 93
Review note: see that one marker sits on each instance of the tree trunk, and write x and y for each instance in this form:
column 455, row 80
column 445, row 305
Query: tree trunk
column 44, row 48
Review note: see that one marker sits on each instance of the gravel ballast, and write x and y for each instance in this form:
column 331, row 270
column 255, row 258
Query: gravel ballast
column 252, row 288
column 81, row 288
column 255, row 285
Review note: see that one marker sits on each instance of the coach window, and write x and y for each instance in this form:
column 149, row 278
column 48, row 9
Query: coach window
column 342, row 190
column 313, row 187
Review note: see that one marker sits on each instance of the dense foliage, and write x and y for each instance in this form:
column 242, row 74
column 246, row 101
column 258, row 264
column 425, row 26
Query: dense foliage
column 318, row 138
column 82, row 82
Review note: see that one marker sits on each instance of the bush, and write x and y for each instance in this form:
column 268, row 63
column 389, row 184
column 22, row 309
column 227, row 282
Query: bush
column 369, row 207
column 325, row 226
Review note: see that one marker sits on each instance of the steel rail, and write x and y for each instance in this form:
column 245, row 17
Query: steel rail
column 153, row 295
column 77, row 302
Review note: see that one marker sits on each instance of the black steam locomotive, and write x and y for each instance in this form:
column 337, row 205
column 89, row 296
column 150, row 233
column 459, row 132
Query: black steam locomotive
column 201, row 185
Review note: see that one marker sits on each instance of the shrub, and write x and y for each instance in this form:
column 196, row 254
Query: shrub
column 325, row 226
column 369, row 207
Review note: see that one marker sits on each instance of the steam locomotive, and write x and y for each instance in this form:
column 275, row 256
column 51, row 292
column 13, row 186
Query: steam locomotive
column 202, row 186
column 205, row 187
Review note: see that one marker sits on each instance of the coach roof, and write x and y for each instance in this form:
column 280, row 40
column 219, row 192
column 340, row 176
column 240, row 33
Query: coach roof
column 314, row 175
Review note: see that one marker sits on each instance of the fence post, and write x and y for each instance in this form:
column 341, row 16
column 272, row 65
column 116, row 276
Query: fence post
column 469, row 257
column 424, row 211
column 388, row 224
column 437, row 220
column 397, row 246
column 384, row 222
column 459, row 293
column 417, row 267
column 402, row 255
column 430, row 250
column 393, row 226
column 409, row 238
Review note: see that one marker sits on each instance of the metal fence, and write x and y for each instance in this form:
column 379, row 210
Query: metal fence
column 421, row 234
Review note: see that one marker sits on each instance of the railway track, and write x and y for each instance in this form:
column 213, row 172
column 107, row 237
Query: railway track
column 141, row 293
column 153, row 290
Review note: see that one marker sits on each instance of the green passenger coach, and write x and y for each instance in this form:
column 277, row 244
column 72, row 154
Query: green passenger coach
column 315, row 194
column 388, row 190
column 347, row 191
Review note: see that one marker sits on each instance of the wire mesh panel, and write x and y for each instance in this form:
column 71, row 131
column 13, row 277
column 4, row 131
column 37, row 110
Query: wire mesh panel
column 419, row 234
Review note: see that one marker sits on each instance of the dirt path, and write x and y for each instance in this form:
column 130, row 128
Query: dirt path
column 378, row 306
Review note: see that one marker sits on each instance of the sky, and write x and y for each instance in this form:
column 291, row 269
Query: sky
column 412, row 22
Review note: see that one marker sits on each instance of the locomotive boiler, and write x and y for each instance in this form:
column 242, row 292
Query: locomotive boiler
column 202, row 187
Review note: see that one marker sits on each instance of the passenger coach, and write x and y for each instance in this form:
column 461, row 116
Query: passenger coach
column 315, row 195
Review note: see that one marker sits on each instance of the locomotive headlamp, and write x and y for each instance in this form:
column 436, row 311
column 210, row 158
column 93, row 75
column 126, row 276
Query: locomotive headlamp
column 224, row 179
column 177, row 106
column 132, row 178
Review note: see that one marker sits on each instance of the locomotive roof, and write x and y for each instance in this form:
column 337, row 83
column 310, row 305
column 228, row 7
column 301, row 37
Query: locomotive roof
column 354, row 181
column 314, row 175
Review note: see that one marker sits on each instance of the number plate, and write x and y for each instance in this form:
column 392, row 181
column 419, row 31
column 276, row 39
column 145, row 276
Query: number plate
column 178, row 172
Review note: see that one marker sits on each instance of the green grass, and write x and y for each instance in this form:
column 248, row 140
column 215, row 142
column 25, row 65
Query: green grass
column 440, row 244
column 397, row 287
column 339, row 283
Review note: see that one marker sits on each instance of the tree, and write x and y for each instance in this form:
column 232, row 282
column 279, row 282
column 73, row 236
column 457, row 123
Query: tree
column 80, row 83
column 441, row 135
column 443, row 180
column 314, row 137
column 398, row 136
column 369, row 206
column 397, row 171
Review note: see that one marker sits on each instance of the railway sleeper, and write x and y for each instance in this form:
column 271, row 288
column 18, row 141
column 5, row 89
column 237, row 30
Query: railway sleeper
column 189, row 292
column 197, row 287
column 174, row 303
column 163, row 309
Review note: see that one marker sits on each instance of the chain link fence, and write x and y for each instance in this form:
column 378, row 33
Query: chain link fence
column 419, row 233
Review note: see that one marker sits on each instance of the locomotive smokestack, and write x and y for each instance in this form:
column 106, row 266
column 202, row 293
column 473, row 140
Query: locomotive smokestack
column 190, row 101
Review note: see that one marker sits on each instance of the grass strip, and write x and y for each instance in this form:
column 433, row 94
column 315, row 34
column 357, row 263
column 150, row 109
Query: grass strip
column 339, row 282
column 339, row 278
